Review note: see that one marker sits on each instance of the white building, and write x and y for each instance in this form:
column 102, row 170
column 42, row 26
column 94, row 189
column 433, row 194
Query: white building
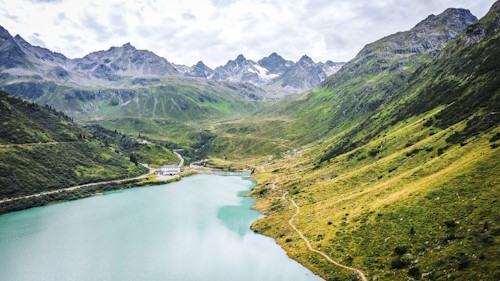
column 169, row 170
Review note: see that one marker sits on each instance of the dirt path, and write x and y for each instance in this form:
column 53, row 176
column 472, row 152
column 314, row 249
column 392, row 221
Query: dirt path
column 290, row 222
column 151, row 171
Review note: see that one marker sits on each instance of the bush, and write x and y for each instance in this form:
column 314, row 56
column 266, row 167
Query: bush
column 399, row 263
column 372, row 153
column 400, row 250
column 495, row 137
column 414, row 272
column 450, row 224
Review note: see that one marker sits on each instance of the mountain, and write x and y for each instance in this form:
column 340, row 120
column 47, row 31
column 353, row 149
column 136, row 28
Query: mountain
column 42, row 149
column 398, row 52
column 38, row 55
column 102, row 68
column 377, row 75
column 27, row 65
column 241, row 70
column 130, row 90
column 303, row 75
column 121, row 81
column 394, row 161
column 275, row 64
column 276, row 75
column 11, row 55
column 124, row 61
column 390, row 166
column 330, row 67
column 199, row 70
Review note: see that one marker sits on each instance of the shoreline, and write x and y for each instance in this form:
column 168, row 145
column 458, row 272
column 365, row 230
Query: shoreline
column 9, row 205
column 100, row 189
column 294, row 252
column 84, row 191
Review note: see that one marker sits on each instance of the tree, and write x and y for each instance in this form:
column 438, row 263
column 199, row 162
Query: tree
column 133, row 159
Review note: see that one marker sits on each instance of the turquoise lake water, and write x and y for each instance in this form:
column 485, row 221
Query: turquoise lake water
column 194, row 229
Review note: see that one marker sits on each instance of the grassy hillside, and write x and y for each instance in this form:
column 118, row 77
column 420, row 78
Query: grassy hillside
column 41, row 149
column 143, row 150
column 376, row 77
column 411, row 190
column 171, row 109
column 180, row 99
column 193, row 139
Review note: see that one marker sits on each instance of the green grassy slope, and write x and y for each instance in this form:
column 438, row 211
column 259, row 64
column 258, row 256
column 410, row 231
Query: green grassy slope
column 194, row 139
column 178, row 98
column 145, row 151
column 169, row 109
column 41, row 149
column 411, row 190
column 377, row 76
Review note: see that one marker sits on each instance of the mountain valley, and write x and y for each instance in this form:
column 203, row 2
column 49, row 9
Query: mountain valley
column 392, row 157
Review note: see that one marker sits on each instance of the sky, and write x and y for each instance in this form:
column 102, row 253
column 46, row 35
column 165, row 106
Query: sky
column 187, row 31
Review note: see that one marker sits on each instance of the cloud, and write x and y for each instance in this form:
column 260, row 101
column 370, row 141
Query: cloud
column 222, row 3
column 188, row 16
column 36, row 41
column 215, row 31
column 11, row 17
column 46, row 1
column 100, row 31
column 118, row 24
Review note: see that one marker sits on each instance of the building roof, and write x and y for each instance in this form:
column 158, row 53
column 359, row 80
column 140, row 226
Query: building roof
column 170, row 167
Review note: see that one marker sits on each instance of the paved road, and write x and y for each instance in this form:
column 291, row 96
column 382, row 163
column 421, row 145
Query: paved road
column 35, row 143
column 151, row 171
column 180, row 158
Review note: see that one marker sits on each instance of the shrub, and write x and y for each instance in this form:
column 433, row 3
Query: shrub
column 399, row 263
column 450, row 224
column 400, row 250
column 414, row 272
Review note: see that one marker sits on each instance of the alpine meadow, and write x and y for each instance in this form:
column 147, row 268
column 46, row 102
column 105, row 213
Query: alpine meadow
column 374, row 163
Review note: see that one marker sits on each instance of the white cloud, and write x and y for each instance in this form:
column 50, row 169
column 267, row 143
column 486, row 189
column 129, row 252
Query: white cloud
column 186, row 31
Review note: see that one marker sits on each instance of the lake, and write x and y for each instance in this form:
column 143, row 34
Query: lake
column 194, row 229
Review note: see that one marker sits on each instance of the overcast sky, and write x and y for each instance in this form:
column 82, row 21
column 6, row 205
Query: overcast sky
column 185, row 31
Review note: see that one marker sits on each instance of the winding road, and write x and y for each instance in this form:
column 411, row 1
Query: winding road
column 181, row 162
column 290, row 222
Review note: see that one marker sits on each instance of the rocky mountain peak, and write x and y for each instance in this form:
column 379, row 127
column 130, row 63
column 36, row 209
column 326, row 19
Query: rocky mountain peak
column 128, row 46
column 451, row 20
column 122, row 62
column 199, row 70
column 20, row 40
column 240, row 59
column 200, row 64
column 11, row 55
column 305, row 60
column 427, row 37
column 275, row 64
column 4, row 34
column 43, row 55
column 486, row 27
column 274, row 55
